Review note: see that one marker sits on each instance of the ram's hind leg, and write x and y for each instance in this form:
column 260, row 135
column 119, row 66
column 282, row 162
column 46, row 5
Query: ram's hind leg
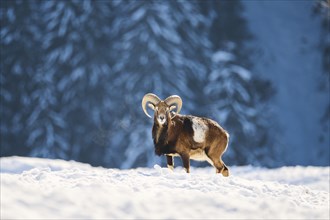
column 220, row 166
column 225, row 170
column 214, row 154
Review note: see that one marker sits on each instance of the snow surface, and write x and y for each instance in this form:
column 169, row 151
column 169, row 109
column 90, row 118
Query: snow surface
column 34, row 188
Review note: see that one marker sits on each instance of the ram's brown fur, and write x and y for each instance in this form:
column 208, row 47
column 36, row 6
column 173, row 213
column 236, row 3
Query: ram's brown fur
column 175, row 137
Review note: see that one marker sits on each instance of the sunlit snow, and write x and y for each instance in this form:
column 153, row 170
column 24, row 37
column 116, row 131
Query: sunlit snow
column 33, row 188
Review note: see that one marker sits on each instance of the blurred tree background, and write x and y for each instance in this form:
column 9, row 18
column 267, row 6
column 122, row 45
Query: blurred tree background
column 73, row 74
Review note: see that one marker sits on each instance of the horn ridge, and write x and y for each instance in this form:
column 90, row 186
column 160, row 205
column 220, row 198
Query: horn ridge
column 149, row 98
column 174, row 100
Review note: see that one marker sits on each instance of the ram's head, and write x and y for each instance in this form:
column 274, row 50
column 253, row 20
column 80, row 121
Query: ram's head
column 163, row 108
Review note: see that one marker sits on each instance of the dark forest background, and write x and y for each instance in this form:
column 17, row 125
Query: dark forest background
column 73, row 74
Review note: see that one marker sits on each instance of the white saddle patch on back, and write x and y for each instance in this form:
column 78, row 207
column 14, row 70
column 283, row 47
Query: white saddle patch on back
column 200, row 129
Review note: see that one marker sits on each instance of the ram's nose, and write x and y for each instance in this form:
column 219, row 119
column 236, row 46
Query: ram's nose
column 161, row 119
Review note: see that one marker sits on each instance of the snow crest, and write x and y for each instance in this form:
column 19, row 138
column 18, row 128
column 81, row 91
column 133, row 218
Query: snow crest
column 33, row 188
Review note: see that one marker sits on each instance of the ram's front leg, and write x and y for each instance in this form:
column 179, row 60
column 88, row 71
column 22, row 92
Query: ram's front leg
column 170, row 162
column 185, row 161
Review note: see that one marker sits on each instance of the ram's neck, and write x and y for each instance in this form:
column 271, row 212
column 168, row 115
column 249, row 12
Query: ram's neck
column 159, row 134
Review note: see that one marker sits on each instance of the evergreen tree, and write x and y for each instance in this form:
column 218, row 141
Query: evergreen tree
column 237, row 98
column 159, row 48
column 236, row 104
column 20, row 54
column 76, row 64
column 55, row 78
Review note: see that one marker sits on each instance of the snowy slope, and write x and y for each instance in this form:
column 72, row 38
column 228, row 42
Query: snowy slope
column 44, row 188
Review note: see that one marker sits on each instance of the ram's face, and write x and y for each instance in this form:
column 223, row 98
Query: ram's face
column 162, row 111
column 162, row 108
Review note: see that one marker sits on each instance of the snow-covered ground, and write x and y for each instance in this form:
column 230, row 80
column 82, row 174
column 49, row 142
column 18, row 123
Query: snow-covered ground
column 43, row 188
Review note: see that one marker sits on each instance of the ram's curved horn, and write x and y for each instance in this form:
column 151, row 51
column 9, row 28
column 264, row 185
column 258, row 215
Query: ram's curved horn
column 149, row 98
column 174, row 100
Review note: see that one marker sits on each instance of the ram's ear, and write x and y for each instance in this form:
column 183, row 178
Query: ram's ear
column 150, row 105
